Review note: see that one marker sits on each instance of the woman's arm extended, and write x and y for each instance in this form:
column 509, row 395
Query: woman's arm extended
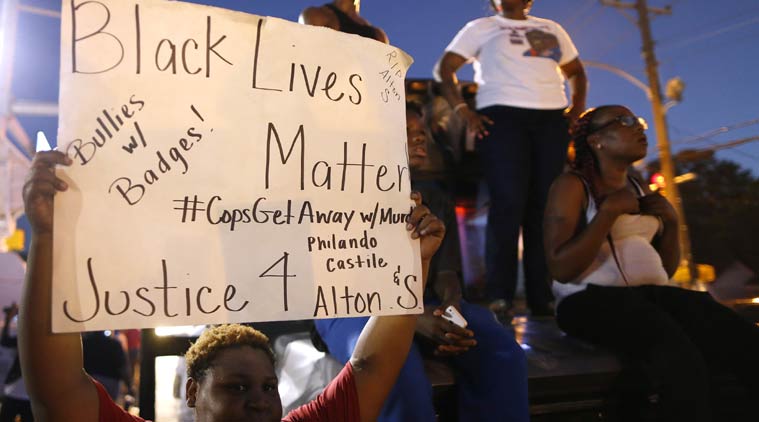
column 447, row 67
column 58, row 387
column 385, row 341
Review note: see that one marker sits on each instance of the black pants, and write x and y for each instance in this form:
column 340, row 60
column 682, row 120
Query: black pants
column 524, row 153
column 14, row 407
column 680, row 336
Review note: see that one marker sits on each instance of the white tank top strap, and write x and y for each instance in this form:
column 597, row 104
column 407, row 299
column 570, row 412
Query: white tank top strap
column 590, row 209
column 638, row 187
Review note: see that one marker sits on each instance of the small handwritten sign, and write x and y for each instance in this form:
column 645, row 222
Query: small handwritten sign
column 227, row 168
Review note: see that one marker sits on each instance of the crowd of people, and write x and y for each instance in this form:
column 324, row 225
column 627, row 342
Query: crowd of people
column 600, row 248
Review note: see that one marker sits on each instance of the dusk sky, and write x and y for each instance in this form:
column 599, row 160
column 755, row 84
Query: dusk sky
column 712, row 47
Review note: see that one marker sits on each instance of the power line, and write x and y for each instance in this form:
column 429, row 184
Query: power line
column 742, row 154
column 746, row 154
column 700, row 37
column 713, row 24
column 733, row 144
column 720, row 130
column 588, row 4
column 705, row 153
column 615, row 43
column 682, row 131
column 588, row 19
column 686, row 52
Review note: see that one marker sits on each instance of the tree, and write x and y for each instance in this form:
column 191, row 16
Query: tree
column 722, row 208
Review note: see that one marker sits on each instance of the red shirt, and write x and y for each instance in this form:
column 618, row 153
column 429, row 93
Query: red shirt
column 133, row 339
column 110, row 411
column 337, row 403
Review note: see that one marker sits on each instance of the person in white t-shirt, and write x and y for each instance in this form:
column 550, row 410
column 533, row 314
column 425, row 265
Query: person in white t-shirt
column 521, row 122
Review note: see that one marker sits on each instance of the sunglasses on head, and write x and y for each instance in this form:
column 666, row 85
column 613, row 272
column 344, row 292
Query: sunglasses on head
column 625, row 120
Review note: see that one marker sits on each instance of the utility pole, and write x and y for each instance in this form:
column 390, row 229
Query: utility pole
column 660, row 122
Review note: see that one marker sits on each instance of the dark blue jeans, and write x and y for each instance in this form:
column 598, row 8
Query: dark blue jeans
column 492, row 376
column 525, row 151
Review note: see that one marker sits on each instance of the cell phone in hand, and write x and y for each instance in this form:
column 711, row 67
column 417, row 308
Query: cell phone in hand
column 452, row 314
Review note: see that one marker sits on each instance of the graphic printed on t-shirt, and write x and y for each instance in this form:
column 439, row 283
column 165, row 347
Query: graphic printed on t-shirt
column 542, row 43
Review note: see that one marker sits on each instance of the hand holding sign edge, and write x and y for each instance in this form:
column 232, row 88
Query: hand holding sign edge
column 385, row 341
column 72, row 396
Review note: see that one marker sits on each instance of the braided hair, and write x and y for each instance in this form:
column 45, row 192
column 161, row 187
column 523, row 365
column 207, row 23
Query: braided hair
column 586, row 163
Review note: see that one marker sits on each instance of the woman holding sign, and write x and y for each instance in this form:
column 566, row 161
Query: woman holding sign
column 231, row 367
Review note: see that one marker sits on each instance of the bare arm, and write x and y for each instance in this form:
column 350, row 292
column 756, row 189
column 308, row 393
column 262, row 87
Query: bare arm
column 385, row 341
column 569, row 254
column 72, row 396
column 667, row 243
column 449, row 64
column 668, row 246
column 447, row 286
column 449, row 338
column 574, row 71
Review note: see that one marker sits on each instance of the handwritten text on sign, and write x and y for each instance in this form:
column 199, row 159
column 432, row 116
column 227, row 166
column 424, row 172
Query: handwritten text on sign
column 227, row 167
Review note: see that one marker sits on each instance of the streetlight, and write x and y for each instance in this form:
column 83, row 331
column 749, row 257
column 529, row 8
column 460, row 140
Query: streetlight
column 673, row 91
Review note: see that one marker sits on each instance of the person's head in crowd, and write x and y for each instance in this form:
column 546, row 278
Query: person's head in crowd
column 416, row 135
column 504, row 6
column 609, row 135
column 343, row 16
column 231, row 376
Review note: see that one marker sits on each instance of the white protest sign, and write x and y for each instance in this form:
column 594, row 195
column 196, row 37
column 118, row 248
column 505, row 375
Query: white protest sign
column 227, row 168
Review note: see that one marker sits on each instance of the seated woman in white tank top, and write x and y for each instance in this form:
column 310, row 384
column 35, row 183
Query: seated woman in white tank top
column 611, row 247
column 636, row 258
